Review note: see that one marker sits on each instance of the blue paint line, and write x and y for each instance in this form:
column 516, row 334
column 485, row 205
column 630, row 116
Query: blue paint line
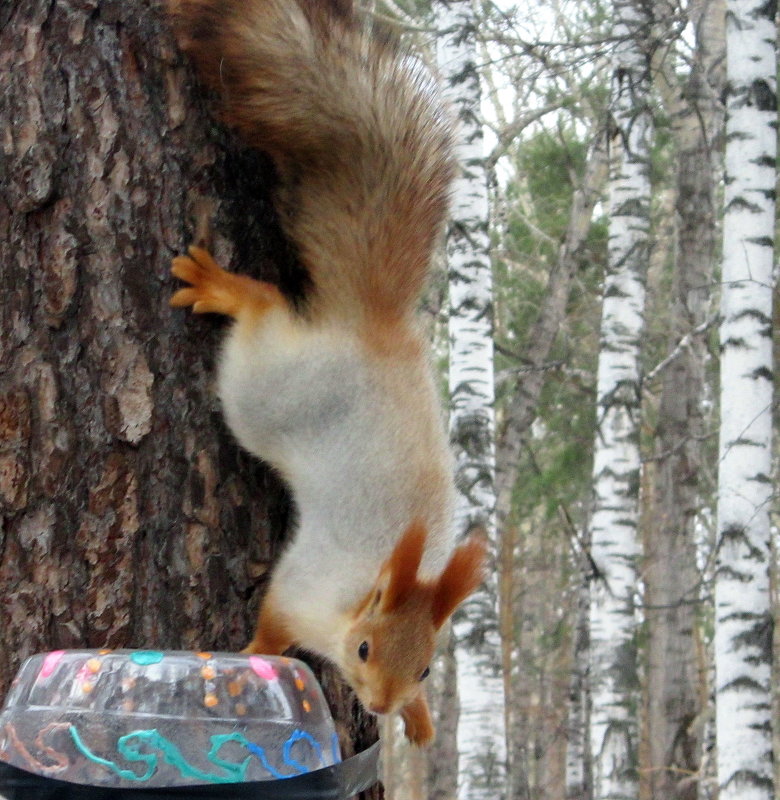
column 335, row 748
column 296, row 737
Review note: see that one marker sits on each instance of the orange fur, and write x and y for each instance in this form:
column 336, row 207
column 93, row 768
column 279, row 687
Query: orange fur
column 399, row 619
column 402, row 567
column 273, row 634
column 418, row 726
column 462, row 575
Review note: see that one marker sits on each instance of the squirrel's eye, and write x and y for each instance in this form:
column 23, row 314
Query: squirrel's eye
column 426, row 673
column 363, row 651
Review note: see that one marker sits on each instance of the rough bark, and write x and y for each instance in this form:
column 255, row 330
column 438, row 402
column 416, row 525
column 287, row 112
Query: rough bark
column 616, row 457
column 675, row 716
column 481, row 734
column 129, row 517
column 743, row 622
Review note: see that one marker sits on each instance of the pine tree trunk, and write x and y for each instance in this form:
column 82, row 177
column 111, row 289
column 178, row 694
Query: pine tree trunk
column 675, row 716
column 481, row 734
column 616, row 459
column 743, row 622
column 130, row 518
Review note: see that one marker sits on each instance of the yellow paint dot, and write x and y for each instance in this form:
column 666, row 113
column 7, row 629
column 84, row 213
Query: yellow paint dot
column 299, row 684
column 210, row 700
column 87, row 687
column 234, row 688
column 208, row 673
column 306, row 706
column 93, row 665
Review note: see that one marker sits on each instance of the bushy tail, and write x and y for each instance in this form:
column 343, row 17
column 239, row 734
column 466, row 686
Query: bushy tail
column 362, row 147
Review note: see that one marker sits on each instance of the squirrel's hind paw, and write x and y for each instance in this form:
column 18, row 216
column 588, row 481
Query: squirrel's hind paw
column 209, row 289
column 213, row 289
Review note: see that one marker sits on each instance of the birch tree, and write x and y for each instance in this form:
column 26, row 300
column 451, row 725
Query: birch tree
column 616, row 458
column 481, row 736
column 743, row 632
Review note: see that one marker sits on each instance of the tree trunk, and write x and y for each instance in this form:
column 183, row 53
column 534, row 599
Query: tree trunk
column 130, row 518
column 616, row 458
column 481, row 733
column 675, row 716
column 743, row 622
column 579, row 778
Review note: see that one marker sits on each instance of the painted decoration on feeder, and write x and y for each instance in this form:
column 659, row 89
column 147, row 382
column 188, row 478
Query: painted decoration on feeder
column 158, row 718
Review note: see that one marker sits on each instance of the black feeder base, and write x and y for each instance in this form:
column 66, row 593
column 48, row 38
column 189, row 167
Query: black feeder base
column 338, row 782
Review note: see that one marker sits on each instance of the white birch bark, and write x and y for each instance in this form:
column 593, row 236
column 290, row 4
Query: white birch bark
column 616, row 468
column 481, row 729
column 743, row 631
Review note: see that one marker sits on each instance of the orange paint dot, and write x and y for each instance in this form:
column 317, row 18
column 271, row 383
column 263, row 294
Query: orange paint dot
column 87, row 687
column 93, row 665
column 306, row 706
column 128, row 706
column 208, row 673
column 210, row 700
column 104, row 652
column 241, row 709
column 204, row 656
column 299, row 684
column 234, row 688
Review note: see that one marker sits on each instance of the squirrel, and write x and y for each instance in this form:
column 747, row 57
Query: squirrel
column 339, row 395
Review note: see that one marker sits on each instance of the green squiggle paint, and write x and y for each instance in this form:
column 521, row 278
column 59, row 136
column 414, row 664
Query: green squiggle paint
column 127, row 746
column 127, row 774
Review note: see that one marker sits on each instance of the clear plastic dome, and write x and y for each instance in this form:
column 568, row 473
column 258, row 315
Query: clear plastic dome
column 157, row 718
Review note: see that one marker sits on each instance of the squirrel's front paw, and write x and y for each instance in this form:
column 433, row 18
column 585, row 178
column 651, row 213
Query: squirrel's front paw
column 418, row 726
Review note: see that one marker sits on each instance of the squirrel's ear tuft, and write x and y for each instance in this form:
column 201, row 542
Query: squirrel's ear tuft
column 401, row 568
column 462, row 575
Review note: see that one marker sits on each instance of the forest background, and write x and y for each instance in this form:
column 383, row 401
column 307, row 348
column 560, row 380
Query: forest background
column 603, row 320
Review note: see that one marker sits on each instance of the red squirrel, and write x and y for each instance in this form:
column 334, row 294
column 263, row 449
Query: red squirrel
column 339, row 397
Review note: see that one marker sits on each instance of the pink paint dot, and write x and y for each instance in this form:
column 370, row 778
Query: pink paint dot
column 50, row 662
column 263, row 668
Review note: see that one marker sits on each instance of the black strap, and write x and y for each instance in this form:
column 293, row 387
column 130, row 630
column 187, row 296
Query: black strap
column 330, row 783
